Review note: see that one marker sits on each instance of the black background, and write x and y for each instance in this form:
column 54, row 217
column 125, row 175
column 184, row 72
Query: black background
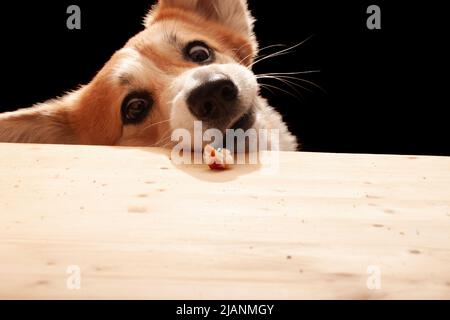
column 282, row 309
column 385, row 90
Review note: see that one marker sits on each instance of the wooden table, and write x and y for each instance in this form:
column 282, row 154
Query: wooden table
column 127, row 223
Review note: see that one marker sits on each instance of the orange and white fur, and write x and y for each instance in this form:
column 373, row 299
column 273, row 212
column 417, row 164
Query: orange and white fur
column 191, row 62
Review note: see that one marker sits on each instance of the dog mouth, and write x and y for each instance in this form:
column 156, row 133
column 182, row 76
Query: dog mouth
column 246, row 121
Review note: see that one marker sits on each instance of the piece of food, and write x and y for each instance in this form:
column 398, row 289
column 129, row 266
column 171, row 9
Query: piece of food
column 217, row 159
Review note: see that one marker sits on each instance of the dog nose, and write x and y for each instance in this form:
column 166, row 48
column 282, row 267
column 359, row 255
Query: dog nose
column 213, row 99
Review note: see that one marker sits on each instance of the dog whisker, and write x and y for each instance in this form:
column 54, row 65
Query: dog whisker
column 166, row 135
column 238, row 49
column 260, row 50
column 268, row 56
column 163, row 139
column 166, row 145
column 289, row 83
column 288, row 73
column 262, row 85
column 312, row 83
column 277, row 88
column 287, row 76
column 305, row 81
column 281, row 52
column 156, row 124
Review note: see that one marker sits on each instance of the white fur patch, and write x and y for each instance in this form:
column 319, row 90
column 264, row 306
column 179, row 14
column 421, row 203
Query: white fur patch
column 136, row 67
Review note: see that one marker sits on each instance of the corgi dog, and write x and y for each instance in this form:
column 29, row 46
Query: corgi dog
column 192, row 62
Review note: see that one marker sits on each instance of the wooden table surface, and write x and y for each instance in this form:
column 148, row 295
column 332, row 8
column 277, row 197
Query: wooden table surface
column 127, row 223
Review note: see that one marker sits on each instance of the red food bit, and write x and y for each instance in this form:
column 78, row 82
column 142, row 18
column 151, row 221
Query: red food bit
column 219, row 159
column 216, row 166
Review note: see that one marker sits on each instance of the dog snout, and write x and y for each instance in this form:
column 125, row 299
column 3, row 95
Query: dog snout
column 214, row 99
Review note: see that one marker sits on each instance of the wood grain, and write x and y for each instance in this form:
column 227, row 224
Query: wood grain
column 141, row 228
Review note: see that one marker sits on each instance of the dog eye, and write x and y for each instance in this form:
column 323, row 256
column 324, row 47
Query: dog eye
column 198, row 52
column 136, row 107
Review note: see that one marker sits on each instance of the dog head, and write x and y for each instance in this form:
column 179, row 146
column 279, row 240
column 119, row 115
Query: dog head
column 191, row 63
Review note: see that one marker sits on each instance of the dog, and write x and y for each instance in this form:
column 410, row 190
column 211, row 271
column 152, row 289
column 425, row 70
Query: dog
column 192, row 62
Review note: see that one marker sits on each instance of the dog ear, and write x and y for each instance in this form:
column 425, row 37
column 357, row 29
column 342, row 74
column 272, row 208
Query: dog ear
column 84, row 116
column 232, row 13
column 44, row 123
